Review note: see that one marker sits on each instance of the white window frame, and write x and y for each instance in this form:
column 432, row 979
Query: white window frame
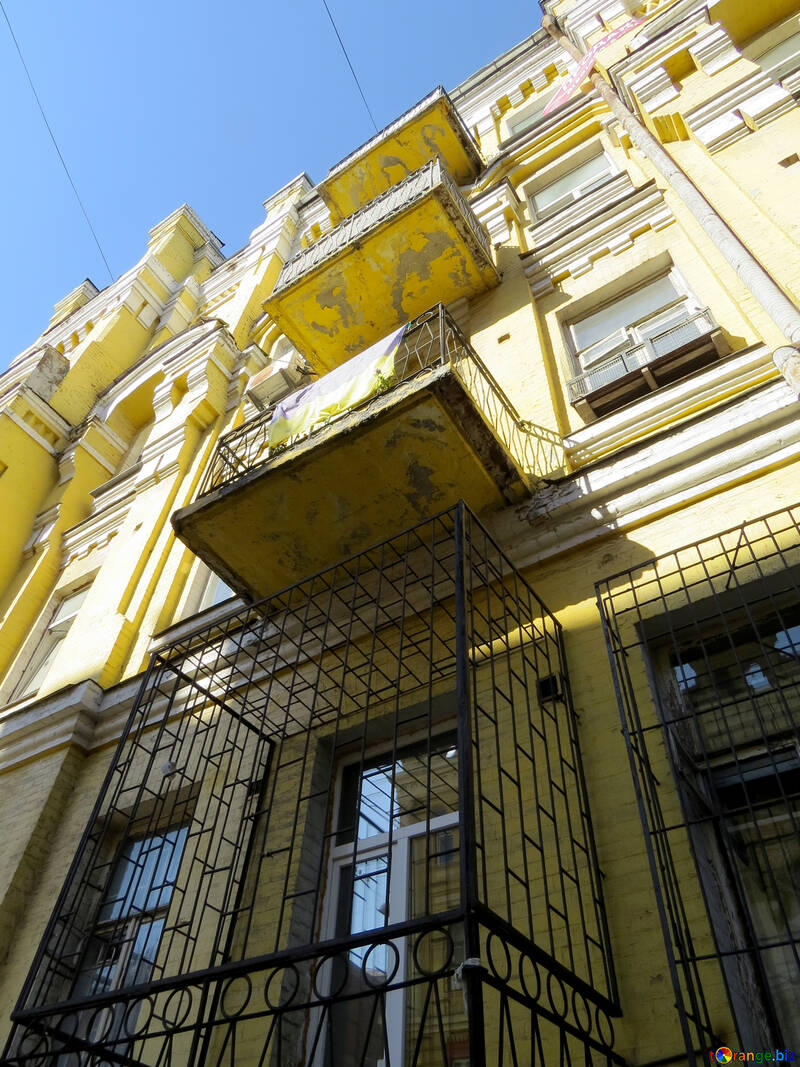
column 210, row 597
column 636, row 332
column 399, row 841
column 531, row 109
column 534, row 189
column 43, row 654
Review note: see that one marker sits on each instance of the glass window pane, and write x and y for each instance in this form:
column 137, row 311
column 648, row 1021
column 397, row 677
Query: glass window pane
column 386, row 795
column 144, row 875
column 597, row 167
column 531, row 116
column 143, row 952
column 767, row 849
column 625, row 312
column 69, row 605
column 43, row 657
column 434, row 884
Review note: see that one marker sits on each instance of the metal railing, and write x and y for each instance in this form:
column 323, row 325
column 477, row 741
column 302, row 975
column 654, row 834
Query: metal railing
column 378, row 211
column 693, row 328
column 430, row 340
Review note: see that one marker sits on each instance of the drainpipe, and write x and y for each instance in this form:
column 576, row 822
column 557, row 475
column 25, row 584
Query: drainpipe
column 756, row 279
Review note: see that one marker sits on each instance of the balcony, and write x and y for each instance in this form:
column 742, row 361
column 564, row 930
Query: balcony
column 646, row 358
column 430, row 129
column 414, row 244
column 349, row 817
column 441, row 430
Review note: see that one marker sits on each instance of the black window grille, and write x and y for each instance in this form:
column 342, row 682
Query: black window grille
column 386, row 854
column 705, row 651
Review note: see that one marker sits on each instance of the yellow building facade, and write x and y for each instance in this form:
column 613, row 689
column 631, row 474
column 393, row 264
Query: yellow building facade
column 400, row 636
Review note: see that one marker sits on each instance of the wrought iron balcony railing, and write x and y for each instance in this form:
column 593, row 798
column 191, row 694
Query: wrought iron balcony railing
column 694, row 328
column 376, row 213
column 431, row 340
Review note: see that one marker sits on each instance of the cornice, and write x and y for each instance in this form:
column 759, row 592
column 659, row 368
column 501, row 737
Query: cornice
column 509, row 81
column 38, row 420
column 31, row 728
column 738, row 441
column 106, row 301
column 739, row 109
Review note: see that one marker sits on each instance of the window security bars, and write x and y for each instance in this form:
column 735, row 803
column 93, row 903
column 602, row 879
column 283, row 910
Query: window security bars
column 431, row 340
column 381, row 850
column 634, row 354
column 705, row 650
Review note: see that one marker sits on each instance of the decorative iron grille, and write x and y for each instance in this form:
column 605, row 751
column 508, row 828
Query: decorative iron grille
column 704, row 645
column 357, row 811
column 431, row 340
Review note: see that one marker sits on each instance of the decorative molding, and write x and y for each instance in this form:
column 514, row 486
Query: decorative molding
column 738, row 441
column 497, row 209
column 508, row 76
column 606, row 220
column 38, row 420
column 95, row 532
column 33, row 727
column 739, row 109
column 713, row 50
column 42, row 528
column 653, row 88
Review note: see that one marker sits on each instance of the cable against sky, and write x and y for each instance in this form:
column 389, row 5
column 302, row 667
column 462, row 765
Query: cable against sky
column 53, row 139
column 350, row 65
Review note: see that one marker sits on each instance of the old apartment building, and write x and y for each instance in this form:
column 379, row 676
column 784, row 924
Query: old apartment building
column 400, row 636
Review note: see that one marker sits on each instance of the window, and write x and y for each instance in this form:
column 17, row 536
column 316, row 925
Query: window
column 734, row 704
column 122, row 946
column 216, row 592
column 658, row 330
column 530, row 115
column 571, row 186
column 632, row 319
column 123, row 943
column 394, row 858
column 48, row 648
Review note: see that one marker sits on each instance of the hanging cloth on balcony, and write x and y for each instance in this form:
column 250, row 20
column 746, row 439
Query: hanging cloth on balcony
column 335, row 393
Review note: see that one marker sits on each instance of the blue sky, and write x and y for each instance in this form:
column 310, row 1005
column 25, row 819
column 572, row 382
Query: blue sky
column 215, row 104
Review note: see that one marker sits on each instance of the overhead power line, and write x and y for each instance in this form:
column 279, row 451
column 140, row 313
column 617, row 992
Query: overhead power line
column 350, row 65
column 53, row 139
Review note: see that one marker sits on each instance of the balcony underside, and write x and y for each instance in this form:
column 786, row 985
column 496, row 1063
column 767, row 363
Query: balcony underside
column 643, row 380
column 419, row 246
column 407, row 455
column 430, row 129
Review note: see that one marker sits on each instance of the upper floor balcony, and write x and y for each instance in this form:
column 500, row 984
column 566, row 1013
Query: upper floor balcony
column 433, row 428
column 431, row 129
column 416, row 243
column 634, row 360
